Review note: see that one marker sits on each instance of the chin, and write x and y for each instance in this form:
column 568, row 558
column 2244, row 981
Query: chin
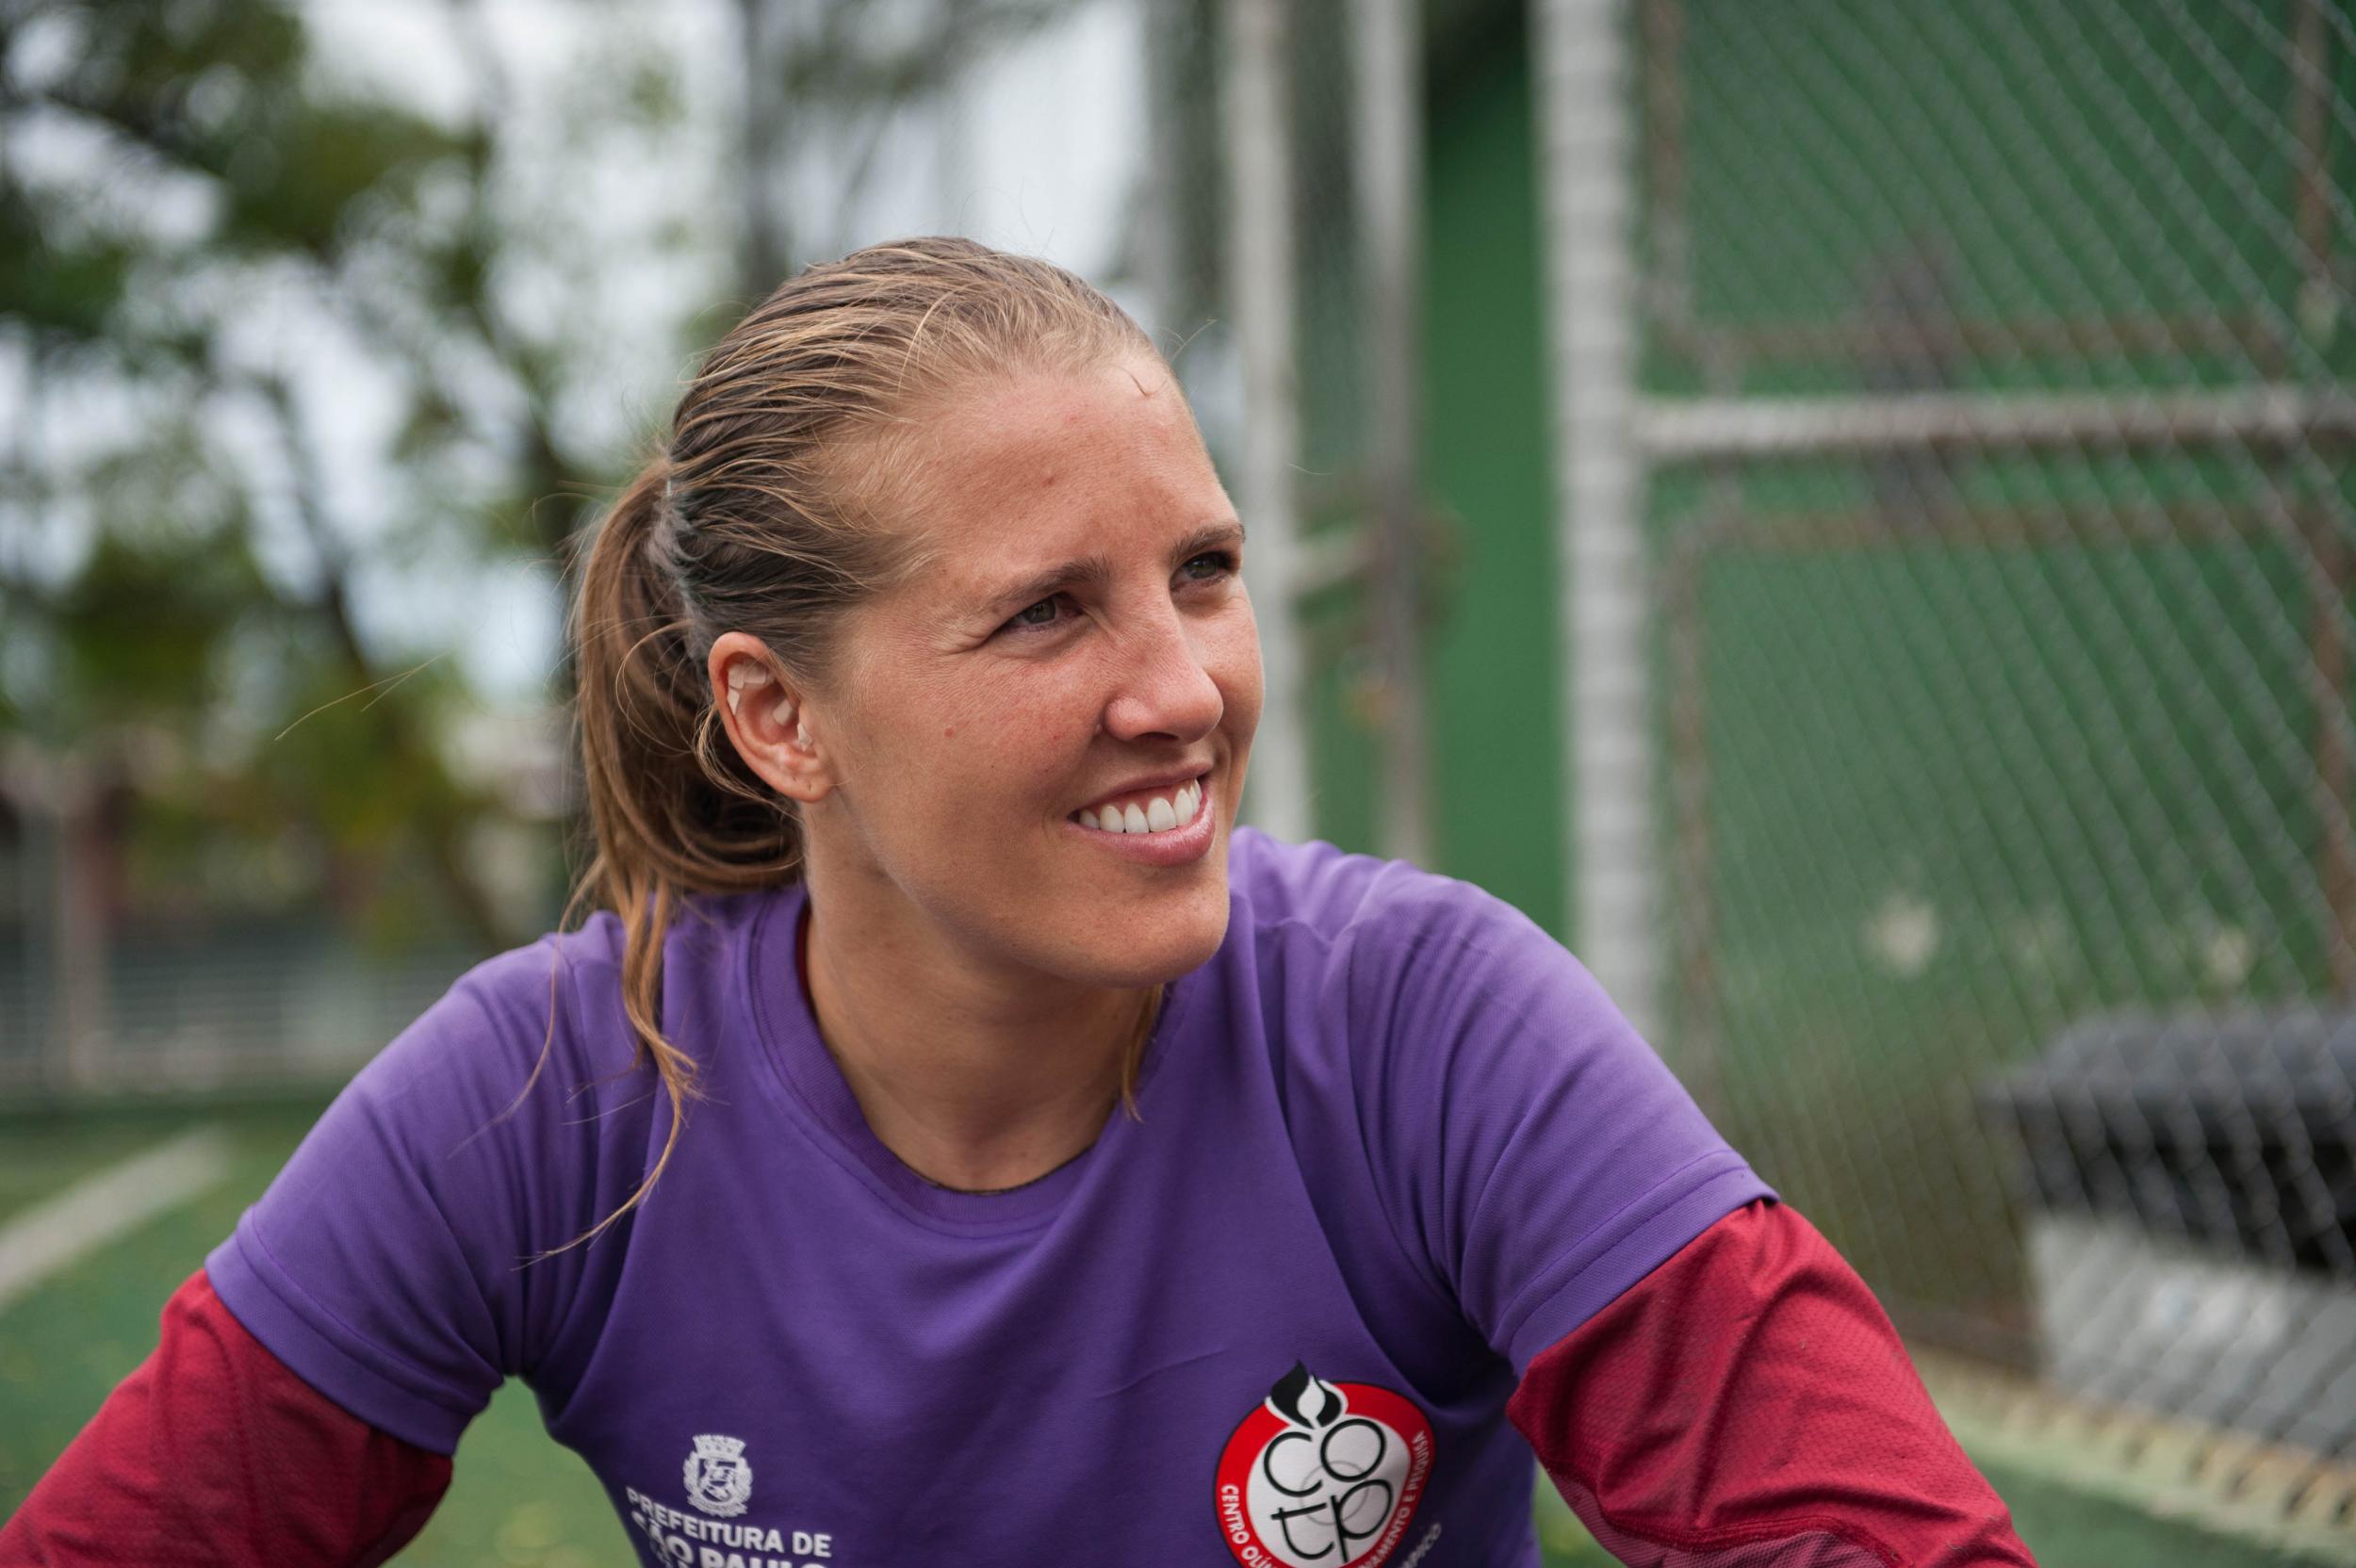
column 1185, row 958
column 1186, row 940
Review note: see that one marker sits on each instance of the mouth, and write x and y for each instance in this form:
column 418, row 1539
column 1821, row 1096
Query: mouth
column 1164, row 809
column 1172, row 824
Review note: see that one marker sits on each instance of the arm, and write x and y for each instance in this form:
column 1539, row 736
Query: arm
column 1749, row 1395
column 213, row 1452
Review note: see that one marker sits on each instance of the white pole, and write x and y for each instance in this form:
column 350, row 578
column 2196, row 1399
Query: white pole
column 1671, row 430
column 1389, row 167
column 1582, row 90
column 1260, row 262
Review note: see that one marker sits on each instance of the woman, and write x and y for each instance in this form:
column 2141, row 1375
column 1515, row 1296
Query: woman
column 958, row 1141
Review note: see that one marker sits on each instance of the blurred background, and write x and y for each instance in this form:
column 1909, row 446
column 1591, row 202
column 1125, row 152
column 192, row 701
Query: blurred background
column 1840, row 509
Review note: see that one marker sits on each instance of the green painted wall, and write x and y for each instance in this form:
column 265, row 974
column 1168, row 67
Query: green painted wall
column 1491, row 659
column 1494, row 670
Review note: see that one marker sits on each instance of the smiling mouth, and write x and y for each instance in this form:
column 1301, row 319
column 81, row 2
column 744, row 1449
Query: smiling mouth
column 1158, row 812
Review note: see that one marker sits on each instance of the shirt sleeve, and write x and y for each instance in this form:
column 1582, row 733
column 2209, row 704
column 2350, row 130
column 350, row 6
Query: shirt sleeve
column 398, row 1262
column 1535, row 1150
column 213, row 1452
column 1748, row 1405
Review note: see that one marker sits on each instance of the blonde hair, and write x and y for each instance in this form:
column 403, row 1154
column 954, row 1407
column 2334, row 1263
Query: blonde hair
column 761, row 514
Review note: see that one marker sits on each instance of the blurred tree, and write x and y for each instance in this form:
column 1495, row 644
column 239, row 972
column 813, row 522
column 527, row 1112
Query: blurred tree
column 831, row 80
column 199, row 226
column 223, row 252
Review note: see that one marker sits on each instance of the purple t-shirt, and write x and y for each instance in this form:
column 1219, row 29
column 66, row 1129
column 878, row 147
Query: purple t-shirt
column 1395, row 1142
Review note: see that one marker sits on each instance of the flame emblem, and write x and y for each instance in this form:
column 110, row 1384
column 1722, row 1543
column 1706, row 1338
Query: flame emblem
column 1322, row 1474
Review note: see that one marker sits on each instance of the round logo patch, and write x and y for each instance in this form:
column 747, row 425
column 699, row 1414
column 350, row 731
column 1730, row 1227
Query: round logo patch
column 1322, row 1474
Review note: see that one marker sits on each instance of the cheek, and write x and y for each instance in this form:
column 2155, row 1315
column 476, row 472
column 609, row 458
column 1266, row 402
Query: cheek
column 1236, row 664
column 1010, row 737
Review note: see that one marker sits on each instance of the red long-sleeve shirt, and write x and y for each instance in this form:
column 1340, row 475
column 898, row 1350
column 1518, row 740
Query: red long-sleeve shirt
column 1746, row 1405
column 212, row 1452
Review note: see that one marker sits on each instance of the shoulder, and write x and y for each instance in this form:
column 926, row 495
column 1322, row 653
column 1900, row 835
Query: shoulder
column 557, row 997
column 570, row 976
column 512, row 1116
column 1435, row 1048
column 566, row 990
column 554, row 1010
column 1361, row 909
column 1410, row 973
column 522, row 1097
column 1337, row 893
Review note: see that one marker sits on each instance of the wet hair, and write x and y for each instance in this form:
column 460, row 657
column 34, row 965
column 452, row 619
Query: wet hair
column 768, row 511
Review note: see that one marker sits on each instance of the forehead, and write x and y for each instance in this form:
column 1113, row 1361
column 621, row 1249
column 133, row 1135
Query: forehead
column 1040, row 461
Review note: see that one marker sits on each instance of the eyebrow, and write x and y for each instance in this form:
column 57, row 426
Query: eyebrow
column 1094, row 571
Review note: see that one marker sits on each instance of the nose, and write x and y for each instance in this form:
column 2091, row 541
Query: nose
column 1162, row 685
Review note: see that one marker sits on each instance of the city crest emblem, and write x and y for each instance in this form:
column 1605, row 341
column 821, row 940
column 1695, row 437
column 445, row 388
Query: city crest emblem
column 719, row 1482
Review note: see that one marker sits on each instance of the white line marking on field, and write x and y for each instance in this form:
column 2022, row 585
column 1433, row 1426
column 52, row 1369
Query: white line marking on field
column 55, row 1235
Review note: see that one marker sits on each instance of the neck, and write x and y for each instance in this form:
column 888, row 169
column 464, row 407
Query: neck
column 976, row 1078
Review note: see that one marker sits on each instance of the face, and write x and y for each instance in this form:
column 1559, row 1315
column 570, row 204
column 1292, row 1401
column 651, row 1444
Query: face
column 1077, row 649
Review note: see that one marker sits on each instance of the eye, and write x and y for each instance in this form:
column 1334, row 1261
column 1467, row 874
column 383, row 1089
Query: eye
column 1218, row 563
column 1046, row 612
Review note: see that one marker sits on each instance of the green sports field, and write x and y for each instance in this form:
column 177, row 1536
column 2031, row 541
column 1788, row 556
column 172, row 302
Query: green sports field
column 518, row 1499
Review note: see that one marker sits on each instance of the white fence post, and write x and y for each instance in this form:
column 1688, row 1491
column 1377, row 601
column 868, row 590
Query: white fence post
column 1582, row 90
column 1260, row 254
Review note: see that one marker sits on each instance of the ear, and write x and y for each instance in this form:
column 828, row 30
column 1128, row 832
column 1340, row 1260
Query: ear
column 765, row 719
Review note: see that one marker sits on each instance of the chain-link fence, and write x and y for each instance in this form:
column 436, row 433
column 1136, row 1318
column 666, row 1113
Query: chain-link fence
column 1993, row 397
column 1986, row 419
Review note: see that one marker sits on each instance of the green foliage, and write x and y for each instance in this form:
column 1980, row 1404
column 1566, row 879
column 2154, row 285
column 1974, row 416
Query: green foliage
column 192, row 631
column 217, row 90
column 329, row 764
column 143, row 626
column 56, row 285
column 297, row 184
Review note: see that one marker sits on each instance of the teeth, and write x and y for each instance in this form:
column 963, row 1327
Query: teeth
column 1157, row 815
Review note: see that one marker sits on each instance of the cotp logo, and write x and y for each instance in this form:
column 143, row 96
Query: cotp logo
column 1322, row 1474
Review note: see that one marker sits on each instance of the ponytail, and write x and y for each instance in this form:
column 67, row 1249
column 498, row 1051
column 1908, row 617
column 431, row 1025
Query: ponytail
column 672, row 809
